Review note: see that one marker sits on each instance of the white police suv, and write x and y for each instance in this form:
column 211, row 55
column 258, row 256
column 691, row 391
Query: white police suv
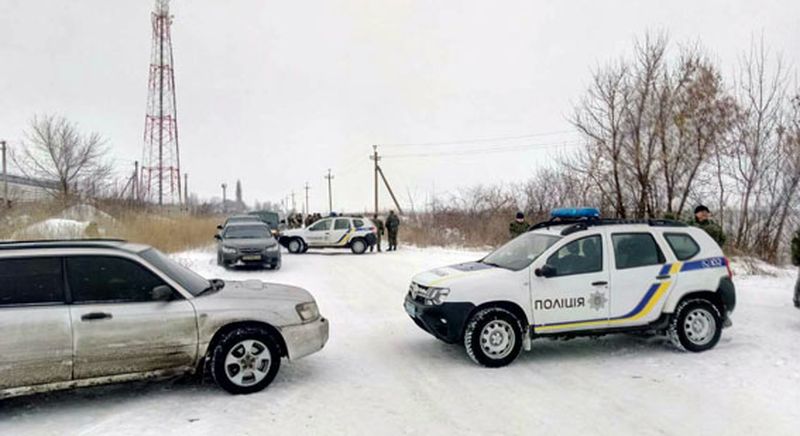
column 576, row 275
column 355, row 233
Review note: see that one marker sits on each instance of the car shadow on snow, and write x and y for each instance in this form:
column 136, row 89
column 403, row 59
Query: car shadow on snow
column 186, row 388
column 550, row 350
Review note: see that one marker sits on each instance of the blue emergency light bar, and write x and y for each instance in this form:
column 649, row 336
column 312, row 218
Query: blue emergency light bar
column 575, row 213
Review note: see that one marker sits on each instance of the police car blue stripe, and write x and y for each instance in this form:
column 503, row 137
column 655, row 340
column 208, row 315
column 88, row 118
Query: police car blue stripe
column 713, row 262
column 665, row 269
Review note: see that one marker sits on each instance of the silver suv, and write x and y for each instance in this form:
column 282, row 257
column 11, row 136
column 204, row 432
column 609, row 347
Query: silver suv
column 78, row 313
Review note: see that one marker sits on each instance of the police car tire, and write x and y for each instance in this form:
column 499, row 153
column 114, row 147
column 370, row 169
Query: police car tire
column 475, row 326
column 677, row 331
column 295, row 246
column 358, row 246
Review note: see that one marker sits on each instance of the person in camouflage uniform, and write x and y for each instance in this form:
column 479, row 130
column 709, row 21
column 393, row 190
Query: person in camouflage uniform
column 518, row 226
column 378, row 232
column 392, row 226
column 796, row 262
column 702, row 219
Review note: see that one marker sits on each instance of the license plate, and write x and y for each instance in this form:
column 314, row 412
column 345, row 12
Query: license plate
column 410, row 309
column 251, row 257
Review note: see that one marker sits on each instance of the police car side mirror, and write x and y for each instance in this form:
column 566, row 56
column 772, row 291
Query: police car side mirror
column 545, row 271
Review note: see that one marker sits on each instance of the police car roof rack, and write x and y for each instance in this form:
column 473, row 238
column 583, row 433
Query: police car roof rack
column 577, row 227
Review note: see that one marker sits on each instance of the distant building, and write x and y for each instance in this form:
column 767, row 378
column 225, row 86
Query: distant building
column 26, row 189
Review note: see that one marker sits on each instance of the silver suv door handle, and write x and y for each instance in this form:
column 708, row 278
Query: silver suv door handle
column 95, row 316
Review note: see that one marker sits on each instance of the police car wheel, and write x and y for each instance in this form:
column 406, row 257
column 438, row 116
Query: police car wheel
column 295, row 246
column 493, row 337
column 358, row 246
column 696, row 326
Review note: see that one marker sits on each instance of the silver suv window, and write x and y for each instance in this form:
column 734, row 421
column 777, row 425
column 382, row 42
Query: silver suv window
column 33, row 280
column 104, row 279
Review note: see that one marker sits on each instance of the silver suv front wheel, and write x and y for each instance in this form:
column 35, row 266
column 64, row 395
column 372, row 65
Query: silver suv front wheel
column 245, row 360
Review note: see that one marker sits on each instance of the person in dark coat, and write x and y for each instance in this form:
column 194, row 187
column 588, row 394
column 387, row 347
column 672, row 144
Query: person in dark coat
column 379, row 228
column 518, row 226
column 392, row 227
column 702, row 219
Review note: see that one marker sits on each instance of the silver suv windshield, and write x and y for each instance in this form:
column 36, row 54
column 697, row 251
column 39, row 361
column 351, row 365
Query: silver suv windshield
column 521, row 251
column 188, row 279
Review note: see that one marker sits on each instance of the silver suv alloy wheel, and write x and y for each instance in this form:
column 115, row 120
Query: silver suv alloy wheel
column 247, row 363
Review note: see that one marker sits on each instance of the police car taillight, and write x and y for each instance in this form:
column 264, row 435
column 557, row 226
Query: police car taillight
column 728, row 266
column 373, row 230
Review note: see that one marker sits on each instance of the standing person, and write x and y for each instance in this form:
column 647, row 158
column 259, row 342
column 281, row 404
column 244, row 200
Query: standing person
column 796, row 262
column 378, row 231
column 392, row 226
column 518, row 226
column 702, row 219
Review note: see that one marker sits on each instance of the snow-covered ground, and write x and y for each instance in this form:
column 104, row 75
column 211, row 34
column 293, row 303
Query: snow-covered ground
column 380, row 374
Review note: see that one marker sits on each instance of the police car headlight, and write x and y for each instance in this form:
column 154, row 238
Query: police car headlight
column 436, row 296
column 228, row 250
column 307, row 311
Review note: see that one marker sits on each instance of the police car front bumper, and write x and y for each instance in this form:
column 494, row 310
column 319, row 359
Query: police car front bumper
column 445, row 321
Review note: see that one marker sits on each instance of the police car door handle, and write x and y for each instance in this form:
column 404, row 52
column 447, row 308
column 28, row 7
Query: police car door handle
column 663, row 277
column 599, row 283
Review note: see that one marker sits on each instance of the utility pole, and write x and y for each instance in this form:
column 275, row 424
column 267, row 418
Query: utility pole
column 5, row 175
column 186, row 190
column 294, row 208
column 330, row 192
column 135, row 190
column 224, row 206
column 375, row 158
column 379, row 172
column 308, row 212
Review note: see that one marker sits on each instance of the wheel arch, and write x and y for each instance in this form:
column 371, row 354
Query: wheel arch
column 510, row 306
column 227, row 328
column 712, row 296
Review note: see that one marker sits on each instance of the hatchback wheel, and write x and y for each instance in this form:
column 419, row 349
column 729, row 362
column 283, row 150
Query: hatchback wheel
column 246, row 360
column 295, row 246
column 493, row 337
column 696, row 326
column 359, row 246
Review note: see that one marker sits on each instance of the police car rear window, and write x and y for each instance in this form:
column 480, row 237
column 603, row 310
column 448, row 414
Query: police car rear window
column 683, row 245
column 633, row 250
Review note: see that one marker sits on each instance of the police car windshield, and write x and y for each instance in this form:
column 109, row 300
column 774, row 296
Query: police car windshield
column 520, row 252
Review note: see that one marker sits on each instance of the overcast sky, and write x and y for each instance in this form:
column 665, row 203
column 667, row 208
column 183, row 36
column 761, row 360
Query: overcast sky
column 276, row 92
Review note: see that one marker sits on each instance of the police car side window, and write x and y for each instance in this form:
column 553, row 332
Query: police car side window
column 319, row 226
column 682, row 245
column 633, row 250
column 358, row 223
column 341, row 224
column 581, row 256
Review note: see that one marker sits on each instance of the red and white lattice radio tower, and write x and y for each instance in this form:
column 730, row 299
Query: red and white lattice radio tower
column 160, row 177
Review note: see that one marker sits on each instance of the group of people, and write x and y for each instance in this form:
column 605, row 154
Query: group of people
column 296, row 220
column 391, row 227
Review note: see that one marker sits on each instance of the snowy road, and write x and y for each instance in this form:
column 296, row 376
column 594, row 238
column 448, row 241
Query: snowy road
column 380, row 374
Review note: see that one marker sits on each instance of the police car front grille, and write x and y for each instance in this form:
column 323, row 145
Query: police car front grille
column 418, row 292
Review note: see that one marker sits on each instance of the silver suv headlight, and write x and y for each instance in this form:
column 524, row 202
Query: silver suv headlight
column 307, row 311
column 228, row 250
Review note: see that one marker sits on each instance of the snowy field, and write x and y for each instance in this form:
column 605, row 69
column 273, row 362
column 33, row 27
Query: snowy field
column 380, row 374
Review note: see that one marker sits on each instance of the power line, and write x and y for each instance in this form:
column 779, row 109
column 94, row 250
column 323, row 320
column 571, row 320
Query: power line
column 476, row 140
column 490, row 150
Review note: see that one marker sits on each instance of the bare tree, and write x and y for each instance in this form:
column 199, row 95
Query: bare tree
column 56, row 150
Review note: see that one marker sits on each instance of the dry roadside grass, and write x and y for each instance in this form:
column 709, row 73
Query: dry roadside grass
column 169, row 234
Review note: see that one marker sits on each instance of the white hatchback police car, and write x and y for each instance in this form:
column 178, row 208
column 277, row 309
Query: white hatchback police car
column 576, row 275
column 355, row 233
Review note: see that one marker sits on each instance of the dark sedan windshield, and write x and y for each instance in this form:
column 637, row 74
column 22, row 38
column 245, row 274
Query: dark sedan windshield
column 521, row 251
column 247, row 232
column 188, row 279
